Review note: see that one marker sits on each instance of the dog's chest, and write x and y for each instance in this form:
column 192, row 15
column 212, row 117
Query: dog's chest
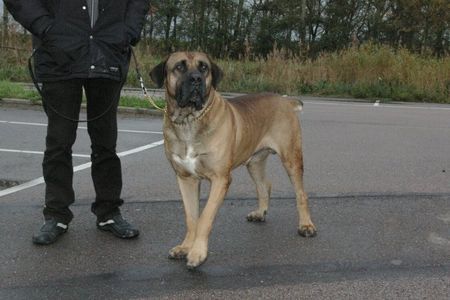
column 187, row 161
column 188, row 150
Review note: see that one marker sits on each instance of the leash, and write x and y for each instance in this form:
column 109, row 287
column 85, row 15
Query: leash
column 141, row 81
column 47, row 105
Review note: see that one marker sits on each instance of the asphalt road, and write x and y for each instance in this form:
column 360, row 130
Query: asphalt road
column 379, row 186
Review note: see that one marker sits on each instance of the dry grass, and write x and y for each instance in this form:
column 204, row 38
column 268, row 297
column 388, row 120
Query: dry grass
column 368, row 71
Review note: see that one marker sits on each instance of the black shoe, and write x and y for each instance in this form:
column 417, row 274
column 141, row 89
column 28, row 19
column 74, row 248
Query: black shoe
column 119, row 227
column 49, row 232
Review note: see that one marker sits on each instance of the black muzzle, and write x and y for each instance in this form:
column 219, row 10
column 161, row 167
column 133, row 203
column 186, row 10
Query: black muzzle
column 192, row 91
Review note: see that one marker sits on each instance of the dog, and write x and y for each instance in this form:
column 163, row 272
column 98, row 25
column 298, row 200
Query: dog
column 206, row 137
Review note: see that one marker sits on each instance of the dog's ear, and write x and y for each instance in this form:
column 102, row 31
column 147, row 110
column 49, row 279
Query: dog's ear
column 158, row 74
column 217, row 75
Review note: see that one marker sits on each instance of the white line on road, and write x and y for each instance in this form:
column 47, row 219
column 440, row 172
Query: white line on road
column 415, row 107
column 134, row 131
column 445, row 218
column 81, row 127
column 140, row 149
column 406, row 106
column 436, row 239
column 23, row 123
column 37, row 152
column 40, row 180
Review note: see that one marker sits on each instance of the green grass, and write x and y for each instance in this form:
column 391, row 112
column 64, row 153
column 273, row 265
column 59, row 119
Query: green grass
column 138, row 102
column 16, row 73
column 17, row 91
column 14, row 90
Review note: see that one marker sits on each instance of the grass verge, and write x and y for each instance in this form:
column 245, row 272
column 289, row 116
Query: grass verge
column 14, row 90
column 17, row 91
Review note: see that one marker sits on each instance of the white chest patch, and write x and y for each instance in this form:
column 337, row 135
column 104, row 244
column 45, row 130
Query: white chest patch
column 188, row 162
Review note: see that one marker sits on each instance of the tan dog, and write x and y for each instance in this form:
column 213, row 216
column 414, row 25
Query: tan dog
column 206, row 137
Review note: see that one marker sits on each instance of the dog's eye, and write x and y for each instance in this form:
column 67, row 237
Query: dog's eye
column 180, row 67
column 203, row 68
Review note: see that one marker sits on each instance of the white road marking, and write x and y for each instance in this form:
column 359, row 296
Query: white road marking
column 140, row 149
column 438, row 240
column 22, row 123
column 22, row 186
column 80, row 127
column 338, row 104
column 415, row 107
column 381, row 106
column 40, row 180
column 36, row 152
column 136, row 131
column 445, row 218
column 435, row 238
column 396, row 262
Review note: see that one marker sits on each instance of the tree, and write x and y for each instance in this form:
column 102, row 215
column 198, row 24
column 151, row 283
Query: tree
column 229, row 28
column 5, row 25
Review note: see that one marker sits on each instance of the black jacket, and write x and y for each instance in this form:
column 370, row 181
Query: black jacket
column 66, row 44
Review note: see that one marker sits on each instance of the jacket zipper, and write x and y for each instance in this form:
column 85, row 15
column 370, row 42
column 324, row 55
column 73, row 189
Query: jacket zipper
column 93, row 6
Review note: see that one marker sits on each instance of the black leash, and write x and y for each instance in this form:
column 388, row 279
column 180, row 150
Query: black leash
column 47, row 105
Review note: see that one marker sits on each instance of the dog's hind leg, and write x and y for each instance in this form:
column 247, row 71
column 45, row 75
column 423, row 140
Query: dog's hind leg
column 256, row 167
column 190, row 190
column 292, row 159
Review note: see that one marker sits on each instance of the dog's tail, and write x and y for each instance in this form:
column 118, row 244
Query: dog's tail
column 298, row 104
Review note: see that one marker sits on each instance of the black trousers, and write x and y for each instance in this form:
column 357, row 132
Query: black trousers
column 65, row 96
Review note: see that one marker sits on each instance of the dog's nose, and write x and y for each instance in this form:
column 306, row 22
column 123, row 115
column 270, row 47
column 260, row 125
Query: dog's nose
column 196, row 78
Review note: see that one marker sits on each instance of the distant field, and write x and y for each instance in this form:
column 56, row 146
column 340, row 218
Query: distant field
column 368, row 71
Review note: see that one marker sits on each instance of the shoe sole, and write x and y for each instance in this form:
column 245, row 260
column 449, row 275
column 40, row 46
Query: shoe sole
column 115, row 233
column 41, row 243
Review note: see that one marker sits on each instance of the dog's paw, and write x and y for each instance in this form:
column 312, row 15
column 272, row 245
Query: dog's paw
column 195, row 258
column 257, row 216
column 178, row 252
column 308, row 230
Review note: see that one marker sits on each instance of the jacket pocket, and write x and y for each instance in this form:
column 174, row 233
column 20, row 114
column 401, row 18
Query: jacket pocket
column 50, row 46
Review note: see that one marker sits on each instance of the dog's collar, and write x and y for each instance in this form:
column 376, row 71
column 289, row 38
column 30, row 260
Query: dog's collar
column 200, row 116
column 207, row 108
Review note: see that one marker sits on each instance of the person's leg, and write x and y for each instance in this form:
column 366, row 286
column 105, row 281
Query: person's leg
column 103, row 98
column 106, row 169
column 65, row 97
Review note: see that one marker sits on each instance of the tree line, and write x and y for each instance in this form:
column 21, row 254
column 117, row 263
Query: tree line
column 255, row 28
column 295, row 28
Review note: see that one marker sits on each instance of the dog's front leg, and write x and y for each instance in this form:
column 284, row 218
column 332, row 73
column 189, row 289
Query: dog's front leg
column 199, row 250
column 190, row 189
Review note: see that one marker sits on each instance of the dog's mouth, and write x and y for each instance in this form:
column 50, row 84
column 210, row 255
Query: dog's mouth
column 191, row 95
column 194, row 99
